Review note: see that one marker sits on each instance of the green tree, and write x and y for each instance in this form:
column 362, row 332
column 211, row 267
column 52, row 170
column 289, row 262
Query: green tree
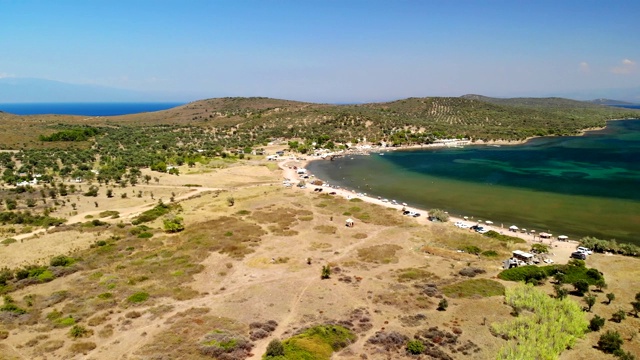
column 610, row 298
column 610, row 342
column 581, row 286
column 590, row 300
column 596, row 323
column 636, row 307
column 618, row 316
column 601, row 284
column 109, row 193
column 561, row 291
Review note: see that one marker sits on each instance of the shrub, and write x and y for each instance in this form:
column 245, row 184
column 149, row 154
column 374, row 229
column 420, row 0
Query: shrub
column 78, row 331
column 275, row 348
column 173, row 225
column 138, row 297
column 540, row 248
column 326, row 272
column 610, row 342
column 8, row 241
column 618, row 316
column 61, row 260
column 529, row 274
column 438, row 215
column 490, row 253
column 415, row 347
column 443, row 305
column 471, row 249
column 596, row 323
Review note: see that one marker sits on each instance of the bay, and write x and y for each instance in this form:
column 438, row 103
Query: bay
column 577, row 186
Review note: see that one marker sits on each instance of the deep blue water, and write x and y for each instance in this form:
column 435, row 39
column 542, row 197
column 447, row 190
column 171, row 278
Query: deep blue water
column 578, row 185
column 628, row 106
column 86, row 109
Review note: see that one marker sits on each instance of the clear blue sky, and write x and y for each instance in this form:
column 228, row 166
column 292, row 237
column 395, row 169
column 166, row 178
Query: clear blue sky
column 325, row 51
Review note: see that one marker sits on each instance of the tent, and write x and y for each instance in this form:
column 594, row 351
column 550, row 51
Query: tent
column 513, row 228
column 545, row 235
column 563, row 237
column 349, row 222
column 489, row 222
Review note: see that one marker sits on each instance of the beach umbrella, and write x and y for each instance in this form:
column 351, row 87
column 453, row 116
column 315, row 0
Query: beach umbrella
column 513, row 227
column 466, row 217
column 563, row 237
column 489, row 222
column 404, row 204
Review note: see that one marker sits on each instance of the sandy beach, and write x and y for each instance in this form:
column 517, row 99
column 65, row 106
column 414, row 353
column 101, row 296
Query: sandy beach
column 560, row 250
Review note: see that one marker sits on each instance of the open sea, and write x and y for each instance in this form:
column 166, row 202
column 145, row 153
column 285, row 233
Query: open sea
column 577, row 186
column 86, row 109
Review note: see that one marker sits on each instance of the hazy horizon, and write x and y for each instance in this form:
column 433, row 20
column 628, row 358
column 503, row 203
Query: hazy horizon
column 328, row 52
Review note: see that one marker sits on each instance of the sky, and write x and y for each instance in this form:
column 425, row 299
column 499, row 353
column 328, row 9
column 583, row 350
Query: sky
column 325, row 51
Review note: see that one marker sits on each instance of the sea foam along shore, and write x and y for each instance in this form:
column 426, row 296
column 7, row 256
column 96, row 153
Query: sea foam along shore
column 561, row 249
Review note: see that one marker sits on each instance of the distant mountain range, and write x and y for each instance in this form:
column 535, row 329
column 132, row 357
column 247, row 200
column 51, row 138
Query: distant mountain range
column 29, row 90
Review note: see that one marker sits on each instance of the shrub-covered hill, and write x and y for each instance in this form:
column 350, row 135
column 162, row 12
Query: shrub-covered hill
column 416, row 120
column 241, row 122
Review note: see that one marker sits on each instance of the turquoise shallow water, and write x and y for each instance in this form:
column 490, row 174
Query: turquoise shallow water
column 577, row 186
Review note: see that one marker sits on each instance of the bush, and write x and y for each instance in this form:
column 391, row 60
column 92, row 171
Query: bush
column 529, row 274
column 173, row 225
column 61, row 260
column 618, row 316
column 471, row 249
column 275, row 348
column 415, row 347
column 138, row 297
column 78, row 331
column 596, row 323
column 443, row 305
column 438, row 215
column 610, row 342
column 326, row 272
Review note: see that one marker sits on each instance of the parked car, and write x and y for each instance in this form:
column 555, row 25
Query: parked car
column 579, row 255
column 584, row 250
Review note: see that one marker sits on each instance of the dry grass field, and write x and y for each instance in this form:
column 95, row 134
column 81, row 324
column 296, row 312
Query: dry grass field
column 241, row 269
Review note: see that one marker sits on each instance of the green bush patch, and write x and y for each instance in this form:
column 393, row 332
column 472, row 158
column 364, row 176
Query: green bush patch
column 316, row 343
column 138, row 297
column 568, row 274
column 506, row 238
column 474, row 287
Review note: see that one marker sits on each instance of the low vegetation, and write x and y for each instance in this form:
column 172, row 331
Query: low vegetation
column 572, row 273
column 547, row 328
column 474, row 288
column 316, row 343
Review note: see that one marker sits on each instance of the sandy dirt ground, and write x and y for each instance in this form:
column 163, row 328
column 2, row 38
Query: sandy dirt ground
column 274, row 281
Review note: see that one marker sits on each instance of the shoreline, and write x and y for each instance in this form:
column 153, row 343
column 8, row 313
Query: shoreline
column 561, row 248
